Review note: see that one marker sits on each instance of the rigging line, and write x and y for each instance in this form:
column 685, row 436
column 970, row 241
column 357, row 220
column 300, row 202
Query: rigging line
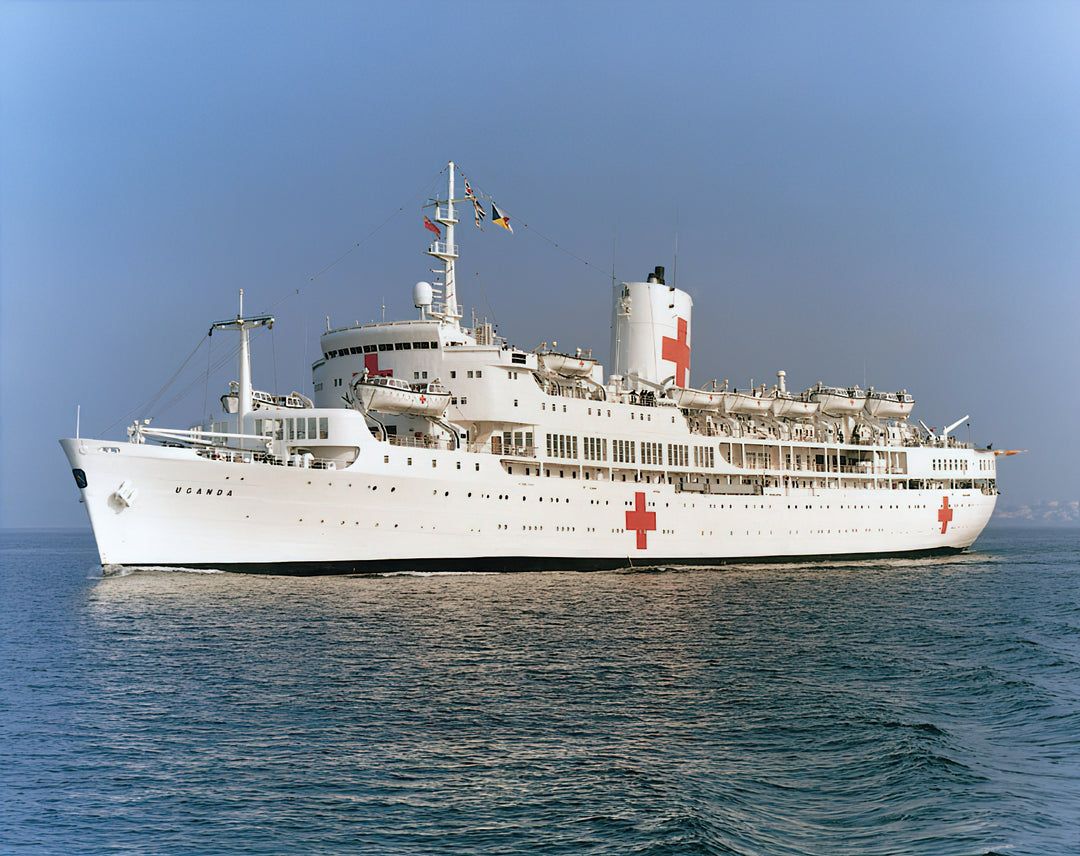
column 481, row 195
column 488, row 302
column 182, row 394
column 557, row 246
column 423, row 190
column 149, row 403
column 227, row 357
column 273, row 352
column 206, row 385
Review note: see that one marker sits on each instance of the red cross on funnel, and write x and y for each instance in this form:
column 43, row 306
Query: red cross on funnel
column 640, row 520
column 678, row 352
column 944, row 514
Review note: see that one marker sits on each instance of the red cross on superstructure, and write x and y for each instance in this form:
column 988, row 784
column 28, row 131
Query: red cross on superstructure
column 640, row 520
column 944, row 514
column 678, row 352
column 371, row 363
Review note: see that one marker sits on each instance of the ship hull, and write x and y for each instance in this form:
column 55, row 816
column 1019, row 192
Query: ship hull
column 398, row 509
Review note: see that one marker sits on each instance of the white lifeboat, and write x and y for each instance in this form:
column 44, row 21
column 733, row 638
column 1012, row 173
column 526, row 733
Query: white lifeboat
column 695, row 399
column 748, row 403
column 259, row 399
column 393, row 395
column 889, row 405
column 836, row 401
column 567, row 365
column 793, row 407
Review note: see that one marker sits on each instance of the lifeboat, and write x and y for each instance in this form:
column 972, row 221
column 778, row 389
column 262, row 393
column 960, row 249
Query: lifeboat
column 393, row 395
column 695, row 399
column 259, row 399
column 566, row 365
column 836, row 401
column 747, row 403
column 889, row 405
column 794, row 406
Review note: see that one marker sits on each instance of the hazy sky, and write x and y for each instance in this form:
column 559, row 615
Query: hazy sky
column 881, row 193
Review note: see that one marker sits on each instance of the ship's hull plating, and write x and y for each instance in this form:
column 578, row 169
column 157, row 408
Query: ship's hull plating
column 398, row 509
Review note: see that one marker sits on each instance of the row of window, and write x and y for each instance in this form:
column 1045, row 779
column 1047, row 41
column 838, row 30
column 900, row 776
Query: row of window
column 562, row 446
column 301, row 428
column 626, row 451
column 383, row 346
column 595, row 448
column 513, row 442
column 951, row 464
column 677, row 455
column 704, row 456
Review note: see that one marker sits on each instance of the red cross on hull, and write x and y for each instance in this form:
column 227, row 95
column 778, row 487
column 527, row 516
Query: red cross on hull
column 640, row 520
column 945, row 514
column 678, row 351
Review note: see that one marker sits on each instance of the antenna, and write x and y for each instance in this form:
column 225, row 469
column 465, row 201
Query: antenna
column 675, row 266
column 614, row 248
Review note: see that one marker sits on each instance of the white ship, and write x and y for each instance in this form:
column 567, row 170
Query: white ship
column 428, row 445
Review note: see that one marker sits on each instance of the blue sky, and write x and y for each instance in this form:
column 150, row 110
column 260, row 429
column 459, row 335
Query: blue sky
column 882, row 193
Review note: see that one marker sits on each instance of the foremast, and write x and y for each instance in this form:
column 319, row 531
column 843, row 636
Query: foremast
column 245, row 403
column 446, row 251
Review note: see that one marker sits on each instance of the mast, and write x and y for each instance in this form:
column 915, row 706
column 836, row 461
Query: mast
column 244, row 372
column 446, row 252
column 244, row 402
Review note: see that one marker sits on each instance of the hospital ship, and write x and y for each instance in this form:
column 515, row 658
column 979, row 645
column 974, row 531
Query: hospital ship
column 430, row 445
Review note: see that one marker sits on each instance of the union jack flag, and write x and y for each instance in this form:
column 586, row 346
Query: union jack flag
column 478, row 212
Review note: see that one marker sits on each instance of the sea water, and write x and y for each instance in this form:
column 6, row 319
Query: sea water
column 876, row 707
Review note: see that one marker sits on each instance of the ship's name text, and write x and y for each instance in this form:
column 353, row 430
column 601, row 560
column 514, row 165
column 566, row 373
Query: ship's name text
column 198, row 491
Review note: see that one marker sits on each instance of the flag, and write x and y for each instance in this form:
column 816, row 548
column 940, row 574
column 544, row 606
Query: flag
column 498, row 217
column 478, row 211
column 431, row 226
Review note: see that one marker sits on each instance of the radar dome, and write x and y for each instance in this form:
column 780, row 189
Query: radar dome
column 421, row 295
